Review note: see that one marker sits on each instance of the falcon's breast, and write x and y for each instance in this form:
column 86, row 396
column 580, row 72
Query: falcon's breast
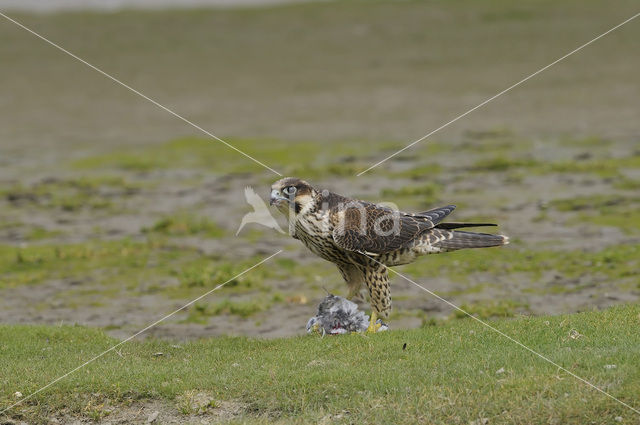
column 315, row 230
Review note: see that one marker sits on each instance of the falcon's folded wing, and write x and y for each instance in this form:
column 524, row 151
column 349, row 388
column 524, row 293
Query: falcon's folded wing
column 373, row 229
column 436, row 215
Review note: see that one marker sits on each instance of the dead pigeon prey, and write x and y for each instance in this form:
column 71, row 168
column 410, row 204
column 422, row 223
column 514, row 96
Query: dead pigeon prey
column 337, row 315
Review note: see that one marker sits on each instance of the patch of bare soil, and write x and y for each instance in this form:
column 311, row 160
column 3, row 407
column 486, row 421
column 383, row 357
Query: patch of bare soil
column 193, row 408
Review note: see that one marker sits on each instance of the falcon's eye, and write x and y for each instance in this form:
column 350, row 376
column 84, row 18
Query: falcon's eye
column 289, row 190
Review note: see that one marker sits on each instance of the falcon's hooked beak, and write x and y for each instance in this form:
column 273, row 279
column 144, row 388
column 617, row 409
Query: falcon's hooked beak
column 277, row 198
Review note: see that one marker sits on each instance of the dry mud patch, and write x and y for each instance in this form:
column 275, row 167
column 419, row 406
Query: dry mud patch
column 193, row 407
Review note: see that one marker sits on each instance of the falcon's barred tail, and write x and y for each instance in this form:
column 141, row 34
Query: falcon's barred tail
column 462, row 240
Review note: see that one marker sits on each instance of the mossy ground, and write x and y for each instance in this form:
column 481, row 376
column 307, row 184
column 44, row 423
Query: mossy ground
column 178, row 251
column 455, row 373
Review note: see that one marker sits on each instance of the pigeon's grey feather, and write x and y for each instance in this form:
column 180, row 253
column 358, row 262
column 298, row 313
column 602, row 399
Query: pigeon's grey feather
column 337, row 315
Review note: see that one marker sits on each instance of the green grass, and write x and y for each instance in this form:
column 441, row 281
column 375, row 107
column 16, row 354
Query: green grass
column 39, row 233
column 156, row 265
column 615, row 263
column 34, row 264
column 452, row 373
column 204, row 273
column 625, row 183
column 501, row 163
column 72, row 195
column 603, row 210
column 313, row 160
column 587, row 142
column 308, row 158
column 595, row 202
column 133, row 267
column 420, row 172
column 200, row 313
column 186, row 225
column 424, row 195
column 606, row 168
column 491, row 309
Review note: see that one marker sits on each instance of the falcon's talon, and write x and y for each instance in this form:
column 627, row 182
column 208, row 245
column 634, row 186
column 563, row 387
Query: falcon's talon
column 372, row 329
column 374, row 323
column 378, row 327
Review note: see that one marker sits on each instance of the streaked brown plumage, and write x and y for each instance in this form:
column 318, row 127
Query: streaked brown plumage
column 362, row 238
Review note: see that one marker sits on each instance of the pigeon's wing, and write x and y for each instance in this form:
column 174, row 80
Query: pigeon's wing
column 374, row 229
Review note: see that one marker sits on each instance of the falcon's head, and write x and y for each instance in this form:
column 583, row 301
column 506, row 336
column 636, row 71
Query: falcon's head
column 293, row 193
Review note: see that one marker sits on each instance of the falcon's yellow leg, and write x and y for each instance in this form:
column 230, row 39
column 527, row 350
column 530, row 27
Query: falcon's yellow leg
column 373, row 326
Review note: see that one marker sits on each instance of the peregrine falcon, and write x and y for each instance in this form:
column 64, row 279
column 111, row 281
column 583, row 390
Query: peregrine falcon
column 363, row 238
